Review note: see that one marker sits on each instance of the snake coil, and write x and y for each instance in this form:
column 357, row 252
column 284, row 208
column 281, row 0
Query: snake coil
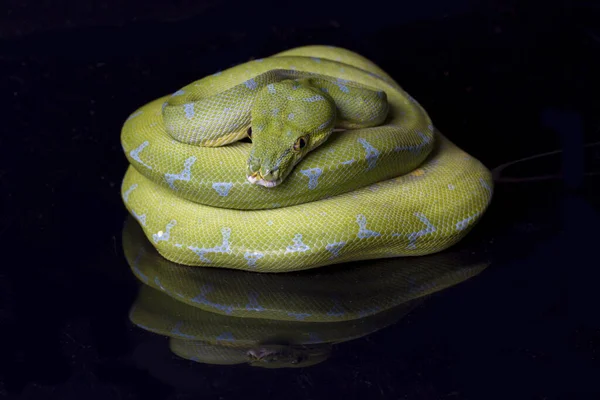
column 398, row 188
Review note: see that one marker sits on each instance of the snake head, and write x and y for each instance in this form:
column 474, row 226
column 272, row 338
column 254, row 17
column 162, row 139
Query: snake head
column 287, row 356
column 289, row 119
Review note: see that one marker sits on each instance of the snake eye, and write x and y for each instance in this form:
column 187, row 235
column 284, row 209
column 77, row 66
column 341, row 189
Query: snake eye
column 250, row 132
column 300, row 144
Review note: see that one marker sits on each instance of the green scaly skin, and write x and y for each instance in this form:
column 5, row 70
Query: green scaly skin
column 387, row 185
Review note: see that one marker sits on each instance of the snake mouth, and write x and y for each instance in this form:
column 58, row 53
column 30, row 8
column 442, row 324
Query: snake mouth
column 258, row 180
column 259, row 354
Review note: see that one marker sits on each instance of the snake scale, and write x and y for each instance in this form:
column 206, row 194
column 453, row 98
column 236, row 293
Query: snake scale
column 309, row 157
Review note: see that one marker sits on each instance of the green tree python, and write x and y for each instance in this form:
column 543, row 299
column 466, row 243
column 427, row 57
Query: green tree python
column 309, row 157
column 223, row 316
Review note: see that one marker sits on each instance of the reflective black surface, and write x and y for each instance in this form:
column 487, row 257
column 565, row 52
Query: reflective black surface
column 503, row 81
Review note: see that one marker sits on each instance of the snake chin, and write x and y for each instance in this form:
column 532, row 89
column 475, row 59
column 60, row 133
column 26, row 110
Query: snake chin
column 263, row 182
column 260, row 353
column 276, row 356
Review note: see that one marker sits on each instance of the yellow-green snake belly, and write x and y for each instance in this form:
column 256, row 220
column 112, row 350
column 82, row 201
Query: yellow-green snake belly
column 400, row 188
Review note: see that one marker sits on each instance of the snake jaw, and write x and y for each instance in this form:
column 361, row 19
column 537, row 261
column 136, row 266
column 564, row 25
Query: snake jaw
column 257, row 178
column 259, row 354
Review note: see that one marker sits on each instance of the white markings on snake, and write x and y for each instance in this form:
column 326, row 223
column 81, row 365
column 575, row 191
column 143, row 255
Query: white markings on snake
column 334, row 249
column 460, row 225
column 415, row 149
column 226, row 337
column 253, row 302
column 299, row 316
column 429, row 228
column 485, row 185
column 184, row 175
column 341, row 83
column 189, row 110
column 223, row 248
column 313, row 175
column 253, row 257
column 160, row 235
column 363, row 232
column 251, row 84
column 157, row 283
column 202, row 299
column 177, row 331
column 128, row 191
column 141, row 218
column 298, row 245
column 325, row 124
column 372, row 154
column 222, row 188
column 314, row 98
column 368, row 311
column 135, row 153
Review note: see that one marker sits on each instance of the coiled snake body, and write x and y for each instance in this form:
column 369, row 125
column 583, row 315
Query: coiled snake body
column 344, row 165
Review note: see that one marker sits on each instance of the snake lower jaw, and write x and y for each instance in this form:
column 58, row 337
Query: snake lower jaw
column 255, row 180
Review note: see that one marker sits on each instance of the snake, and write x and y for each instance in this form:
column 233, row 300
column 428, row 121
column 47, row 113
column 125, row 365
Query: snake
column 225, row 316
column 308, row 157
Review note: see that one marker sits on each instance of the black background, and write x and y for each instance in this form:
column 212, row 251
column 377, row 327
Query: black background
column 504, row 80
